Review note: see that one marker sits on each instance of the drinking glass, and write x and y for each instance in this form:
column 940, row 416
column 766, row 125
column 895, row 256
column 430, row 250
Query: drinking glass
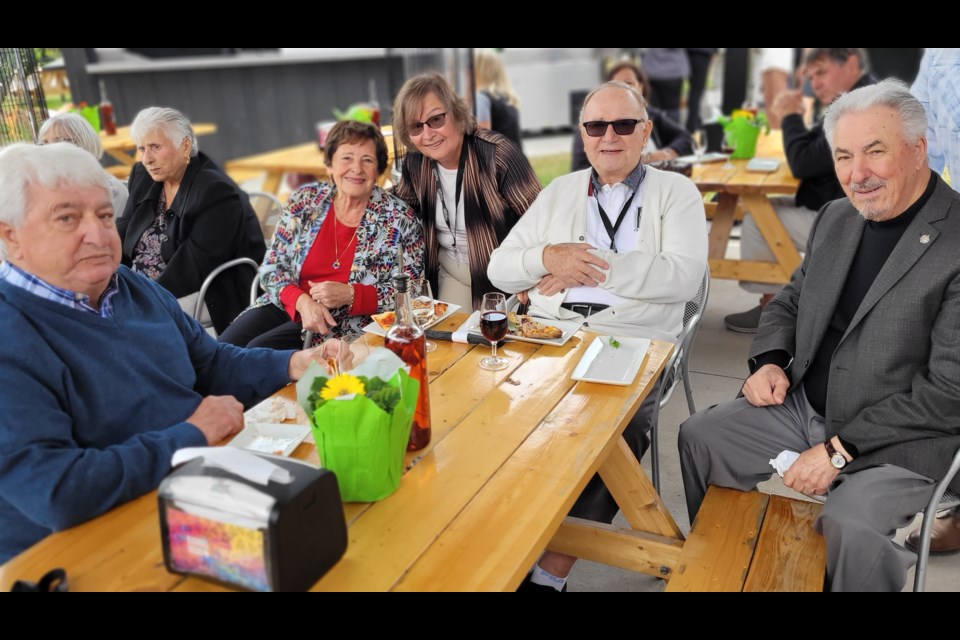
column 493, row 326
column 421, row 293
column 699, row 143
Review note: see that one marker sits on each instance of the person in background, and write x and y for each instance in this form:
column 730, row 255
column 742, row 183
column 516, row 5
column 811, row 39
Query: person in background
column 667, row 140
column 937, row 87
column 185, row 217
column 855, row 365
column 104, row 377
column 469, row 186
column 667, row 69
column 771, row 77
column 334, row 251
column 832, row 72
column 700, row 60
column 498, row 107
column 73, row 128
column 621, row 247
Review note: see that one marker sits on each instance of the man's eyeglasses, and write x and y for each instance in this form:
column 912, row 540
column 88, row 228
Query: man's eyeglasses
column 434, row 122
column 597, row 128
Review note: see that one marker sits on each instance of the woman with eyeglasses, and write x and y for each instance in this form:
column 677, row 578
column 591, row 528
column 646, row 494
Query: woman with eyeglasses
column 185, row 217
column 73, row 128
column 469, row 186
column 668, row 140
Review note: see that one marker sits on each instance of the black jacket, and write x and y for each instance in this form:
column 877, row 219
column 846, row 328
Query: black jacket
column 666, row 134
column 209, row 222
column 811, row 160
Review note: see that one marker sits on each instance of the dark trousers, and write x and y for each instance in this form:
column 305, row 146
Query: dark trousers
column 595, row 502
column 665, row 94
column 269, row 327
column 699, row 66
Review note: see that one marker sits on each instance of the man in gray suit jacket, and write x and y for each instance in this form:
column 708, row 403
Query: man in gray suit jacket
column 856, row 364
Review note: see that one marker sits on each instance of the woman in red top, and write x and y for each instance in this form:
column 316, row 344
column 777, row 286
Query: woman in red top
column 333, row 253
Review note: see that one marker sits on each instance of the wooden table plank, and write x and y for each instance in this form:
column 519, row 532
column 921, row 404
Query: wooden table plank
column 790, row 555
column 534, row 490
column 396, row 531
column 618, row 547
column 720, row 546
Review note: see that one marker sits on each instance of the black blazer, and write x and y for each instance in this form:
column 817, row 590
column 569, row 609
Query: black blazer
column 209, row 222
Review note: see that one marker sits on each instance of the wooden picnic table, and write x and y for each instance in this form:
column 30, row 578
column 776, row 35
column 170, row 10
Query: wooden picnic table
column 305, row 158
column 511, row 451
column 121, row 146
column 738, row 189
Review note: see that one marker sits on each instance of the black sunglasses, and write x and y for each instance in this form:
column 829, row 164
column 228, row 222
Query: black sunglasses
column 597, row 128
column 434, row 122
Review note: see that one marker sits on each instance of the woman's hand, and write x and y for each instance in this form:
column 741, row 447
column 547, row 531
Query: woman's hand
column 331, row 294
column 314, row 316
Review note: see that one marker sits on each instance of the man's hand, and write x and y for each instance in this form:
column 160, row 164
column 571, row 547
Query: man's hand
column 788, row 102
column 218, row 417
column 551, row 284
column 812, row 472
column 314, row 316
column 330, row 349
column 768, row 386
column 573, row 263
column 331, row 295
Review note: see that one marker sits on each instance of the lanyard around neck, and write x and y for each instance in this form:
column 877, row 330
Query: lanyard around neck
column 613, row 228
column 457, row 193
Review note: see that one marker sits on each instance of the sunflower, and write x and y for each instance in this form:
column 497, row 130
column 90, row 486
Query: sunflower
column 342, row 385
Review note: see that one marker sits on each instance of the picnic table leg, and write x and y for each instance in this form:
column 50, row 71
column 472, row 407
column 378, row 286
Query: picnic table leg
column 271, row 183
column 773, row 232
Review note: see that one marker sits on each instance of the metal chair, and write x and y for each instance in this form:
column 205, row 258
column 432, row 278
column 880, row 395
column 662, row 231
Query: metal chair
column 943, row 498
column 677, row 370
column 236, row 262
column 268, row 209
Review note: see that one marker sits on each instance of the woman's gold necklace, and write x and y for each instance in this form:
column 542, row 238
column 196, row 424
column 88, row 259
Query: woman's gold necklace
column 336, row 249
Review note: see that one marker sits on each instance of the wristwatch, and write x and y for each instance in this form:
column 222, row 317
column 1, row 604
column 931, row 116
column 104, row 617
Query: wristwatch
column 836, row 458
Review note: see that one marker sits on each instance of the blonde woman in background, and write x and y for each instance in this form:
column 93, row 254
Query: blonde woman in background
column 498, row 107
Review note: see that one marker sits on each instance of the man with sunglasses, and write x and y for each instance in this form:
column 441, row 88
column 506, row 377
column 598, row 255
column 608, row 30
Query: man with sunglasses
column 619, row 246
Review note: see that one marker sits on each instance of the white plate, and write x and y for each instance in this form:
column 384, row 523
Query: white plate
column 707, row 158
column 377, row 330
column 569, row 327
column 612, row 365
column 277, row 439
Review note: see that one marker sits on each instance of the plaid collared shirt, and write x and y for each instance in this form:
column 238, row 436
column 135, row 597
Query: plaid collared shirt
column 79, row 301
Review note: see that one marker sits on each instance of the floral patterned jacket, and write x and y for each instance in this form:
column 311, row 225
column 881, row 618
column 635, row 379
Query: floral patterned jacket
column 387, row 222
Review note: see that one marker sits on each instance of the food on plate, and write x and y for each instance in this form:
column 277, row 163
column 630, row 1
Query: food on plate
column 524, row 325
column 387, row 318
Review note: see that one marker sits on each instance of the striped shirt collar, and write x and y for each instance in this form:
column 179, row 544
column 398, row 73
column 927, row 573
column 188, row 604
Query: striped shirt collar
column 17, row 277
column 632, row 181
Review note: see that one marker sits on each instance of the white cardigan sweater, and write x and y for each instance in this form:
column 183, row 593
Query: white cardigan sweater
column 658, row 278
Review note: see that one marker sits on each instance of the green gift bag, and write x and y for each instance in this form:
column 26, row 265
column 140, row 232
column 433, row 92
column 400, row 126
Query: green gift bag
column 356, row 439
column 742, row 130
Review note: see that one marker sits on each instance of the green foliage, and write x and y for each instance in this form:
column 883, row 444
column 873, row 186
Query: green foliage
column 383, row 394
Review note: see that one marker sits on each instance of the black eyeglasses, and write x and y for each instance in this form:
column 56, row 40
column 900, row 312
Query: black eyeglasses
column 434, row 122
column 597, row 128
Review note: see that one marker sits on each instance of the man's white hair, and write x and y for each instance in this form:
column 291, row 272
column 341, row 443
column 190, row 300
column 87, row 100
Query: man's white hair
column 49, row 166
column 889, row 93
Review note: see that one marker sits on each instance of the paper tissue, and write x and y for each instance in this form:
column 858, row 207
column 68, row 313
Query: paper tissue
column 250, row 520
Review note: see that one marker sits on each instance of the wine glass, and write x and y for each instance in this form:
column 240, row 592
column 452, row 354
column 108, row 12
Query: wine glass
column 699, row 143
column 728, row 148
column 493, row 326
column 421, row 300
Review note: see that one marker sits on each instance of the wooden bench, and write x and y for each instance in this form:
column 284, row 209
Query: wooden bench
column 751, row 542
column 119, row 171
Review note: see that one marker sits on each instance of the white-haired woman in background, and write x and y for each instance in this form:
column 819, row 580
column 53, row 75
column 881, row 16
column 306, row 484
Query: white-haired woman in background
column 185, row 217
column 73, row 128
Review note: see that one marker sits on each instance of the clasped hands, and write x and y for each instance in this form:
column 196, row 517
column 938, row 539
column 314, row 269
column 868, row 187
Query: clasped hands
column 314, row 307
column 570, row 265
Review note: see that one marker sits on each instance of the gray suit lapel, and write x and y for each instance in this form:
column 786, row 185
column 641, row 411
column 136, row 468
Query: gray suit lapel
column 832, row 274
column 919, row 236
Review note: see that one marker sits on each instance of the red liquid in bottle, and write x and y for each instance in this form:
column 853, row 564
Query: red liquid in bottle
column 410, row 346
column 106, row 119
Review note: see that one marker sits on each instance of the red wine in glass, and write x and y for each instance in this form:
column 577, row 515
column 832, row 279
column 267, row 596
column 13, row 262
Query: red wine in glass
column 493, row 325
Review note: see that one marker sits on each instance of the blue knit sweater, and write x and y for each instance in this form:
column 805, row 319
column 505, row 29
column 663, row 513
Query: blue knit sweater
column 92, row 409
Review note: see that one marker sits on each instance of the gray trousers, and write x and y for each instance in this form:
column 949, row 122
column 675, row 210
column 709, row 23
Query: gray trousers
column 796, row 220
column 731, row 444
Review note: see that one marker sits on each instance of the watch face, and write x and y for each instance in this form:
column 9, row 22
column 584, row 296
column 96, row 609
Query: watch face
column 838, row 461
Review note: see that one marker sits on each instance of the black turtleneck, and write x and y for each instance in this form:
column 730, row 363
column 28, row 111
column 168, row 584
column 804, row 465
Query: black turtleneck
column 877, row 243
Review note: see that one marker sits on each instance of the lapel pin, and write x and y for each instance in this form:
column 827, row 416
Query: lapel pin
column 924, row 239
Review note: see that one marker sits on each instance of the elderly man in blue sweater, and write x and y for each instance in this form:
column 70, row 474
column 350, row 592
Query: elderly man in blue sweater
column 102, row 376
